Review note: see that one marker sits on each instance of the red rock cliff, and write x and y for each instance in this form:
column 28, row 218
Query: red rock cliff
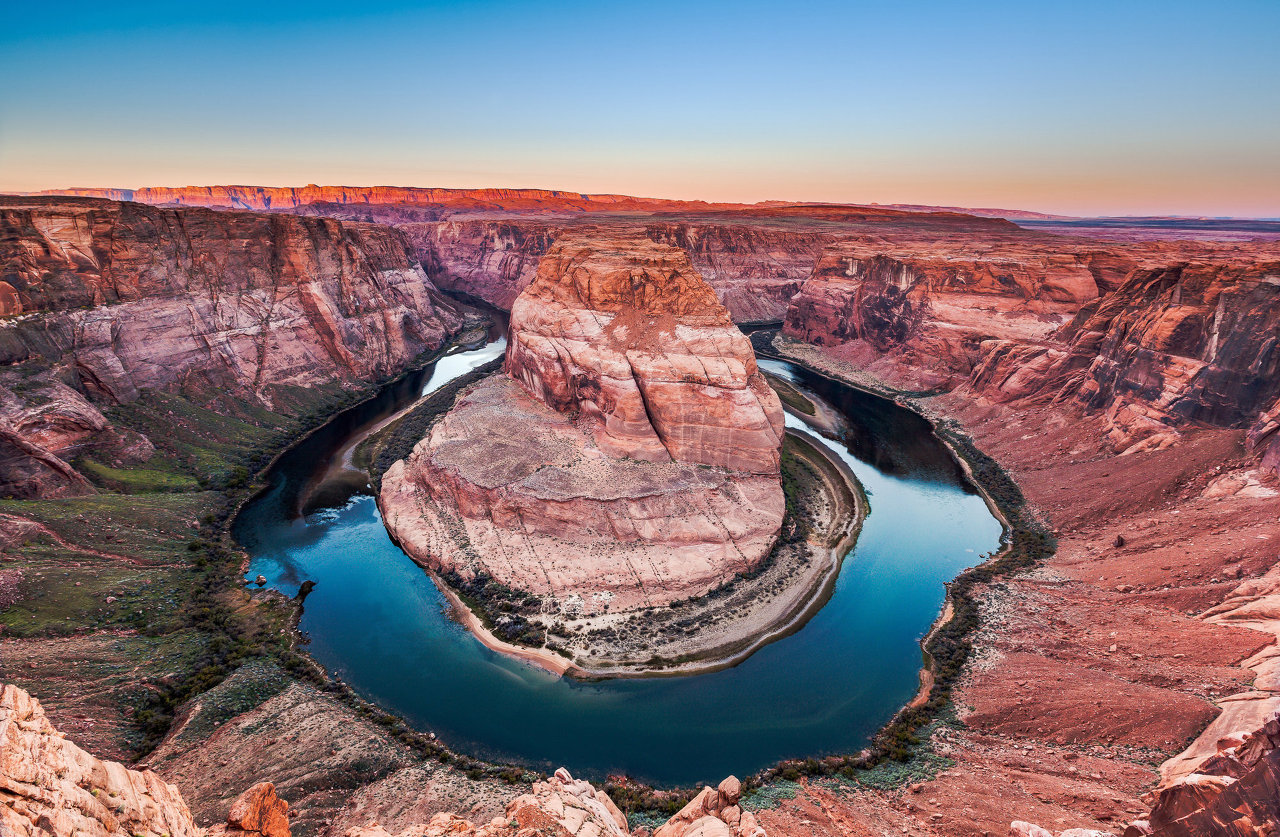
column 117, row 298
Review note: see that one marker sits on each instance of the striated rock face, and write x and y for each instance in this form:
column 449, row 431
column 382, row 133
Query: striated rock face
column 492, row 260
column 577, row 478
column 754, row 269
column 1187, row 343
column 119, row 298
column 917, row 311
column 626, row 332
column 50, row 786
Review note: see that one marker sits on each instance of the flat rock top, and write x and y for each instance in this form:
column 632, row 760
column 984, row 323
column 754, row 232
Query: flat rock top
column 497, row 435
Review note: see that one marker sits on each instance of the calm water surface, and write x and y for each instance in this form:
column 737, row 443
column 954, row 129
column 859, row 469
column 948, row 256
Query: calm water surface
column 377, row 620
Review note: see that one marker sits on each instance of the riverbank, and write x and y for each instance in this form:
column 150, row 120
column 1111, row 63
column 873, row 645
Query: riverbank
column 730, row 623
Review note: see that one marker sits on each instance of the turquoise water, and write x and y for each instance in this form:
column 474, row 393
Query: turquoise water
column 377, row 621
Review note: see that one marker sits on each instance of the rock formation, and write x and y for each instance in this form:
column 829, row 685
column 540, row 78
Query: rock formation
column 113, row 299
column 49, row 786
column 629, row 460
column 1233, row 793
column 916, row 311
column 1190, row 343
column 1155, row 337
column 714, row 812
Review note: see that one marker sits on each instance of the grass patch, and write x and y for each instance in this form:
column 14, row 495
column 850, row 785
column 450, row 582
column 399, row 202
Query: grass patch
column 136, row 480
column 791, row 396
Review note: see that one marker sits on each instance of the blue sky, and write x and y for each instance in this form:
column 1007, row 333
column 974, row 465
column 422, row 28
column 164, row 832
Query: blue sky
column 1135, row 107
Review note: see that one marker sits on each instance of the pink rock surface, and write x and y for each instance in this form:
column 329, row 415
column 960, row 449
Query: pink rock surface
column 630, row 459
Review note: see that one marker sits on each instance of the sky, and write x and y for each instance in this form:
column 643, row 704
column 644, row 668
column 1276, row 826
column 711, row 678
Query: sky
column 1079, row 108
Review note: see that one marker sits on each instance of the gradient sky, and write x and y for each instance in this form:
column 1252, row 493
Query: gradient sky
column 1084, row 108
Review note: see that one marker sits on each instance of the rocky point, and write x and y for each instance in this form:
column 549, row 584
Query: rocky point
column 628, row 458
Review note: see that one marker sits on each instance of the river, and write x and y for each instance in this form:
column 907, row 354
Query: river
column 377, row 620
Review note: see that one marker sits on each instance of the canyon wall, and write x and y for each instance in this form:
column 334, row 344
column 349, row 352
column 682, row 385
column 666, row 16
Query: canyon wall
column 108, row 300
column 916, row 311
column 1187, row 343
column 754, row 269
column 1155, row 337
column 629, row 458
column 291, row 197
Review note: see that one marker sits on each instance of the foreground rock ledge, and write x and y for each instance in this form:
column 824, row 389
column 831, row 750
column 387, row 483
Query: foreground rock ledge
column 630, row 457
column 49, row 786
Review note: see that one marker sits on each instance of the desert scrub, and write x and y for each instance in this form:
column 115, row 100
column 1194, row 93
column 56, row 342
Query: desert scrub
column 772, row 795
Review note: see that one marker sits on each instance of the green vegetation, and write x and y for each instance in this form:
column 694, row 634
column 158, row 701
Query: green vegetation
column 136, row 480
column 791, row 396
column 395, row 441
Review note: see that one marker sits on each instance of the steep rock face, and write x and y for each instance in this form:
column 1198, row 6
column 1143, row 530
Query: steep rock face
column 577, row 477
column 492, row 260
column 50, row 786
column 1185, row 343
column 119, row 298
column 755, row 269
column 918, row 311
column 628, row 333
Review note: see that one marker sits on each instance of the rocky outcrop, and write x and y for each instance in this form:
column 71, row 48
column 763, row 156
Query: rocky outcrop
column 257, row 812
column 626, row 332
column 629, row 460
column 714, row 812
column 918, row 311
column 50, row 786
column 1190, row 343
column 115, row 298
column 1233, row 793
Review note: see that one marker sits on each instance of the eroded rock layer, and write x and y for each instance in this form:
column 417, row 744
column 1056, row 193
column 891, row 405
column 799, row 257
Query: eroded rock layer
column 918, row 311
column 113, row 299
column 48, row 785
column 630, row 459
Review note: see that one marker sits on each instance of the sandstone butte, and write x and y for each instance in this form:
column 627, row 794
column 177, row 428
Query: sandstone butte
column 108, row 300
column 49, row 787
column 628, row 458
